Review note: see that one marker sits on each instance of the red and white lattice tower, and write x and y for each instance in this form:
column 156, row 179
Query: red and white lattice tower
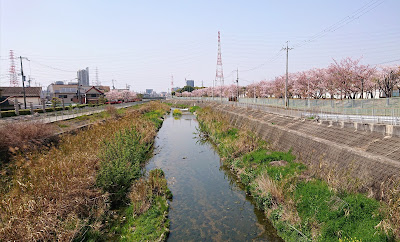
column 219, row 76
column 13, row 74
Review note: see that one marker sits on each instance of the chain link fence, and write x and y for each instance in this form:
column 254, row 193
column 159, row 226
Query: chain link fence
column 385, row 110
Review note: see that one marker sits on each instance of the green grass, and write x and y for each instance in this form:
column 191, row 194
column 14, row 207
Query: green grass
column 341, row 215
column 155, row 116
column 149, row 226
column 261, row 159
column 193, row 109
column 324, row 214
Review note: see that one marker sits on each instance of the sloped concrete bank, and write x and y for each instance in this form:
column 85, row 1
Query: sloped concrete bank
column 369, row 160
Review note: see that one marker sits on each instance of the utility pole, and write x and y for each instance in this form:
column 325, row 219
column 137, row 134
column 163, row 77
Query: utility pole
column 237, row 83
column 79, row 91
column 287, row 73
column 23, row 80
column 113, row 83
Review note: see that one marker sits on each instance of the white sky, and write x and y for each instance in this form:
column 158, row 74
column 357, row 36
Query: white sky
column 141, row 43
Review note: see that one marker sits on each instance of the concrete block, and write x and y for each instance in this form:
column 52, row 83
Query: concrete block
column 363, row 127
column 396, row 131
column 349, row 125
column 379, row 128
column 326, row 122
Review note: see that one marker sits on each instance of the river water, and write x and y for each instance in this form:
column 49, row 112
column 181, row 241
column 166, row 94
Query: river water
column 208, row 203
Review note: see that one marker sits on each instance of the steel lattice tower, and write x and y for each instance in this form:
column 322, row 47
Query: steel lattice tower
column 219, row 76
column 13, row 74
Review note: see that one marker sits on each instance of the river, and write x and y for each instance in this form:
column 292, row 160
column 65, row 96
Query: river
column 208, row 203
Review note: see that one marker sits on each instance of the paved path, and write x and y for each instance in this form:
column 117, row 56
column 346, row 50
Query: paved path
column 62, row 115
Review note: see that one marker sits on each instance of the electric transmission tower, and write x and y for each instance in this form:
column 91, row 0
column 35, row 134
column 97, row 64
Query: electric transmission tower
column 13, row 74
column 219, row 76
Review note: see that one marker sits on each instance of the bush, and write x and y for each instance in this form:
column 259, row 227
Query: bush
column 9, row 113
column 177, row 112
column 59, row 108
column 24, row 112
column 18, row 135
column 121, row 158
column 38, row 110
column 48, row 110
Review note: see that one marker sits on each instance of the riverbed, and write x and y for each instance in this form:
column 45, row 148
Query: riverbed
column 208, row 204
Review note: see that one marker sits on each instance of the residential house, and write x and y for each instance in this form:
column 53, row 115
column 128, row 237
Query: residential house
column 32, row 94
column 67, row 92
column 93, row 95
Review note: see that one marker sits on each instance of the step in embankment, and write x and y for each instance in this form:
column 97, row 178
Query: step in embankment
column 371, row 157
column 367, row 154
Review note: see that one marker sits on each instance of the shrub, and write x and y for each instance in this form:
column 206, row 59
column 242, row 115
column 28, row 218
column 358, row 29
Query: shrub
column 177, row 113
column 121, row 158
column 112, row 111
column 24, row 112
column 9, row 113
column 38, row 110
column 16, row 136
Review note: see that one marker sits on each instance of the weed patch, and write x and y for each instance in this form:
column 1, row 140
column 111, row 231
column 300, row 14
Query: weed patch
column 301, row 207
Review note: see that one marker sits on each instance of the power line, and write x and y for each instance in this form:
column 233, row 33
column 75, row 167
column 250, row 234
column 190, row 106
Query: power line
column 343, row 22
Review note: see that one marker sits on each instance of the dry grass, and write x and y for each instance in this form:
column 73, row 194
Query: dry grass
column 23, row 135
column 145, row 189
column 266, row 184
column 112, row 111
column 53, row 193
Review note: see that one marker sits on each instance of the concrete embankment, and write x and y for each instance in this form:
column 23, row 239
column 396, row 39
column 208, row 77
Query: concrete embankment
column 366, row 156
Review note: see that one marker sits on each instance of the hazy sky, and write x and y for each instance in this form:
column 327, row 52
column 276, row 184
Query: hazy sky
column 141, row 43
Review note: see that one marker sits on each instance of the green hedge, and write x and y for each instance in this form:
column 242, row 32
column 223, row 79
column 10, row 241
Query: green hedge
column 9, row 113
column 38, row 110
column 24, row 111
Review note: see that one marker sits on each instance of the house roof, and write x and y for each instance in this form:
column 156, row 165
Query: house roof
column 19, row 91
column 94, row 88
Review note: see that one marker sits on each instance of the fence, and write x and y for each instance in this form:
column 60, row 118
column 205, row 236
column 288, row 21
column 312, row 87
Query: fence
column 50, row 117
column 353, row 110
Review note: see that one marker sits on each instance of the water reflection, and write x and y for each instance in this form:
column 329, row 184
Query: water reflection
column 208, row 204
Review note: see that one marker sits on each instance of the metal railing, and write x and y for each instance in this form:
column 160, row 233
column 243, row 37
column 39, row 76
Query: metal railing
column 365, row 110
column 50, row 117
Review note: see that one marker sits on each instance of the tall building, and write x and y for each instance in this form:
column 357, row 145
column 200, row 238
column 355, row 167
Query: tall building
column 83, row 77
column 190, row 83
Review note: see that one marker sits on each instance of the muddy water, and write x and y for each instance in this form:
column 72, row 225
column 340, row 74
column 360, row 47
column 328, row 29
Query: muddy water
column 208, row 204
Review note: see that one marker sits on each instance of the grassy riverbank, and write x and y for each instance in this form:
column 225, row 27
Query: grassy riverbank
column 77, row 189
column 300, row 204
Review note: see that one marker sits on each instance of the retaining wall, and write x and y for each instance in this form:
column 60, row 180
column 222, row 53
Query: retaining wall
column 369, row 153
